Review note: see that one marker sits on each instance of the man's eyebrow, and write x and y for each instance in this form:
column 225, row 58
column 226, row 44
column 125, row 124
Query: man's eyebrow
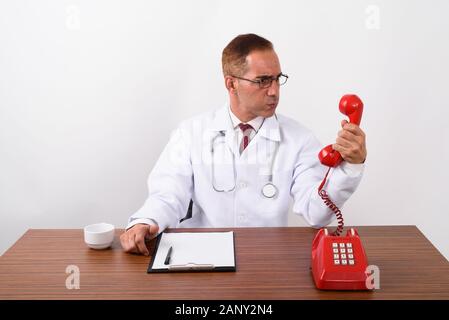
column 268, row 76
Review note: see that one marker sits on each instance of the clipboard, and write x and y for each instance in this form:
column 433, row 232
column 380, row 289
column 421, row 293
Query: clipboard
column 193, row 252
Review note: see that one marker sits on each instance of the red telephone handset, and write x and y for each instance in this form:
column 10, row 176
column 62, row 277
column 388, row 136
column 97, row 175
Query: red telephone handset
column 352, row 106
column 339, row 263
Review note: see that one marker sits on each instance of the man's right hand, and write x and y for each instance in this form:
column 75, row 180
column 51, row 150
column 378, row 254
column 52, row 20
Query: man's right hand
column 133, row 239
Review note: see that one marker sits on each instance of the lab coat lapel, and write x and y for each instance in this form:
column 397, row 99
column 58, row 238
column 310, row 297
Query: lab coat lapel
column 222, row 122
column 262, row 147
column 270, row 129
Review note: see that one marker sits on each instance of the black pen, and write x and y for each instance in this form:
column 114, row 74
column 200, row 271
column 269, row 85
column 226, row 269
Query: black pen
column 167, row 258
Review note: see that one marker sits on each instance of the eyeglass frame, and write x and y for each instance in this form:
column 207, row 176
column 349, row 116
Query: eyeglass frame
column 259, row 82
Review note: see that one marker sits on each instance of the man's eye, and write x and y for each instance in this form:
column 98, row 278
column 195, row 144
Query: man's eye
column 265, row 81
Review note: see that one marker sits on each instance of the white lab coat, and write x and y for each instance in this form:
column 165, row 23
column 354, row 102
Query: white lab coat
column 183, row 172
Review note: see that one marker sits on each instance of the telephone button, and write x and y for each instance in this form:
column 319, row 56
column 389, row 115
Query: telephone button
column 343, row 256
column 336, row 261
column 336, row 256
column 334, row 245
column 349, row 245
column 349, row 250
column 335, row 250
column 344, row 262
column 342, row 245
column 351, row 262
column 350, row 256
column 343, row 250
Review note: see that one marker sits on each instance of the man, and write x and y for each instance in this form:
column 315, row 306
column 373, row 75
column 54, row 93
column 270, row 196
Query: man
column 240, row 165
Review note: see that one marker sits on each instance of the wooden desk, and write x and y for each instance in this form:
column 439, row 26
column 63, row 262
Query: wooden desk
column 272, row 263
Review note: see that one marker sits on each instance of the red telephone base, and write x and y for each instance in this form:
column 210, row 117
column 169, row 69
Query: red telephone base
column 339, row 263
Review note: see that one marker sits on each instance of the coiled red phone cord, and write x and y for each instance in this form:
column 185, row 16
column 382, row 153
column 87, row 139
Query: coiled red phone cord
column 328, row 202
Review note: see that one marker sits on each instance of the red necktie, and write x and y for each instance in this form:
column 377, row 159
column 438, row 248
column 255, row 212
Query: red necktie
column 246, row 129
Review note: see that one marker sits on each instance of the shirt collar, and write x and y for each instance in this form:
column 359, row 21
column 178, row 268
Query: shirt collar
column 222, row 121
column 256, row 123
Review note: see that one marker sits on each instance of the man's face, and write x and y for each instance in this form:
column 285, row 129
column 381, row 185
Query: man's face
column 253, row 100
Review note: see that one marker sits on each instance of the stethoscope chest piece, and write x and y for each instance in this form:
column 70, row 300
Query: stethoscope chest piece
column 269, row 190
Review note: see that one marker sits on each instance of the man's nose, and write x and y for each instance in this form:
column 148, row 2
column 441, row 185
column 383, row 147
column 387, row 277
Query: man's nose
column 273, row 89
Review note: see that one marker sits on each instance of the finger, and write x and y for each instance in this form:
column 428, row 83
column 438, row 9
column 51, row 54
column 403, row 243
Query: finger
column 339, row 148
column 344, row 152
column 124, row 241
column 356, row 141
column 148, row 231
column 353, row 128
column 140, row 244
column 348, row 135
column 132, row 243
column 154, row 229
column 344, row 143
column 127, row 242
column 343, row 123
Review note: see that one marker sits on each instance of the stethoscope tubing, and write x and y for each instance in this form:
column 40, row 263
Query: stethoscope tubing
column 269, row 190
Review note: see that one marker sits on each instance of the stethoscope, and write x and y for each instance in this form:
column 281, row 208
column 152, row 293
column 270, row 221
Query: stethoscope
column 269, row 190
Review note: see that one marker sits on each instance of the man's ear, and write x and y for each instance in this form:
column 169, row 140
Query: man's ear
column 230, row 84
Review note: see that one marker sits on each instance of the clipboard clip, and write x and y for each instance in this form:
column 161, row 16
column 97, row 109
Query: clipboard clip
column 191, row 267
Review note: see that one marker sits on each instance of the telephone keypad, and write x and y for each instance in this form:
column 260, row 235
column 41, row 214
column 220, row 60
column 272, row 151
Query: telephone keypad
column 343, row 253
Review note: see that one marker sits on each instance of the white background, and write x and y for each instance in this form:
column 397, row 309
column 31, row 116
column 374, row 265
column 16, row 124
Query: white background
column 90, row 91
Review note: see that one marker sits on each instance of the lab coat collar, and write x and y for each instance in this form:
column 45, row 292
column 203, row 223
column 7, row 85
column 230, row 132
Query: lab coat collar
column 222, row 122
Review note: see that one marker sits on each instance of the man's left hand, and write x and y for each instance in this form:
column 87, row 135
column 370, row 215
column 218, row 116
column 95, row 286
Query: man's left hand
column 351, row 143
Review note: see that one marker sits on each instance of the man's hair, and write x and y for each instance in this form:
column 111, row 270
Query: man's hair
column 233, row 59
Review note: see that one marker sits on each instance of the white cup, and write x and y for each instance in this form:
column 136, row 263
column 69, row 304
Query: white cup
column 99, row 235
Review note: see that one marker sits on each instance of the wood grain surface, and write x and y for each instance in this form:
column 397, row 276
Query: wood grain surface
column 272, row 263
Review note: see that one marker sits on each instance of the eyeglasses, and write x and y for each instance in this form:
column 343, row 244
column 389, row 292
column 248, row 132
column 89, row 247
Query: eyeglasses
column 265, row 82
